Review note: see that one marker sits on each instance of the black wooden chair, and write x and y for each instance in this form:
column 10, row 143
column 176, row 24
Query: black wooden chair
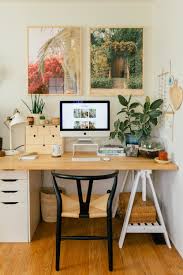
column 85, row 206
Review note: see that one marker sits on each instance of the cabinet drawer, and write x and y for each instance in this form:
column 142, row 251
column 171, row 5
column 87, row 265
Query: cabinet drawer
column 13, row 185
column 13, row 195
column 43, row 130
column 13, row 222
column 53, row 139
column 40, row 149
column 13, row 174
column 31, row 130
column 55, row 130
column 34, row 139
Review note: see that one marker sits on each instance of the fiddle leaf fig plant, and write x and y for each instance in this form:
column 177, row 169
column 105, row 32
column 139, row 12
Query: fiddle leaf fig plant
column 136, row 119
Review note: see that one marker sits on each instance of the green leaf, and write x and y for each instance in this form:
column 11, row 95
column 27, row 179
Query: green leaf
column 135, row 123
column 121, row 137
column 134, row 105
column 139, row 134
column 136, row 115
column 122, row 100
column 147, row 106
column 156, row 104
column 148, row 99
column 113, row 134
column 155, row 113
column 122, row 111
column 121, row 126
column 145, row 118
column 130, row 97
column 154, row 121
column 116, row 124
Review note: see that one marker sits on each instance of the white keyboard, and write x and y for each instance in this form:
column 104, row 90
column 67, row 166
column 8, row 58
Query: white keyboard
column 86, row 159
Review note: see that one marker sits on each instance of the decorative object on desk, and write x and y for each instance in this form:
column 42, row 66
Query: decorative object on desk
column 132, row 150
column 30, row 120
column 42, row 120
column 163, row 155
column 136, row 122
column 54, row 60
column 55, row 121
column 56, row 150
column 37, row 106
column 176, row 95
column 28, row 156
column 10, row 122
column 151, row 148
column 116, row 61
column 160, row 161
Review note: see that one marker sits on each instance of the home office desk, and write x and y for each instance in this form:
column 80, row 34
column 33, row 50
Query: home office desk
column 27, row 174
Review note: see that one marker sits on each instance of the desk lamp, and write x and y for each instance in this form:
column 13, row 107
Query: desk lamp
column 10, row 122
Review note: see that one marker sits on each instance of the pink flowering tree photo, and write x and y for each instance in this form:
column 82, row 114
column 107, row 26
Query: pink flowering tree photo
column 54, row 60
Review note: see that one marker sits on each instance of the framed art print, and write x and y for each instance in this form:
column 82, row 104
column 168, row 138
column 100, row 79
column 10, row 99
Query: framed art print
column 54, row 60
column 116, row 61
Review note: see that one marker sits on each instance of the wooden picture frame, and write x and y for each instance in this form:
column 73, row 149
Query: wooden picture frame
column 54, row 60
column 116, row 63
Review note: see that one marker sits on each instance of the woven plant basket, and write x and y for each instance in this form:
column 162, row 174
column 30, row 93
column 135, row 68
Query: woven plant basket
column 48, row 205
column 142, row 212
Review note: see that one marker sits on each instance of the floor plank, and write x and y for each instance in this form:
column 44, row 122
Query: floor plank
column 139, row 256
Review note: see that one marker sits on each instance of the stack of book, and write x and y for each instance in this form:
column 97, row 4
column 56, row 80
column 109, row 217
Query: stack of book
column 111, row 150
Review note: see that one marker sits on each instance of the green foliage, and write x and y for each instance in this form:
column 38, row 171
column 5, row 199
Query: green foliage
column 101, row 83
column 108, row 43
column 135, row 82
column 37, row 104
column 134, row 121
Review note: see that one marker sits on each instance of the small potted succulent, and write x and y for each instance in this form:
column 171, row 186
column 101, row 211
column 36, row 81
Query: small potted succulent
column 42, row 120
column 37, row 106
column 136, row 120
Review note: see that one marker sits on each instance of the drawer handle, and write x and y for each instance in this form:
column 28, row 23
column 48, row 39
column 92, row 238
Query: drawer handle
column 9, row 180
column 7, row 192
column 12, row 202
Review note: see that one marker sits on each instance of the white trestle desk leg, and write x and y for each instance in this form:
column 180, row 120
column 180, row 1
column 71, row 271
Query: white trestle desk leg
column 162, row 224
column 143, row 176
column 129, row 209
column 116, row 199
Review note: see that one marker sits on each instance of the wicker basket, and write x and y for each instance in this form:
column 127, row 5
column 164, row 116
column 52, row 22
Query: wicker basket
column 141, row 212
column 48, row 205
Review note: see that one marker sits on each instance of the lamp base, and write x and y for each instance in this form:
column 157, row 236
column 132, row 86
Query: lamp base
column 11, row 152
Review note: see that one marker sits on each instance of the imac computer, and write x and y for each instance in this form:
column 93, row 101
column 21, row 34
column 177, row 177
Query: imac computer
column 85, row 119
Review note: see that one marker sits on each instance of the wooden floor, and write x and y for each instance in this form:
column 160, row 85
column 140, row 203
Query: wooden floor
column 139, row 256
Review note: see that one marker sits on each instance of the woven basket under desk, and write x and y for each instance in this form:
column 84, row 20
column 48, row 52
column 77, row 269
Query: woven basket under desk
column 142, row 212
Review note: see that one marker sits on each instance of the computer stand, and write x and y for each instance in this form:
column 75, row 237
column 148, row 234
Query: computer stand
column 86, row 143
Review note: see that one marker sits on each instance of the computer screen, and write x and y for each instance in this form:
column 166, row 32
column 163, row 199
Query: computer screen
column 84, row 116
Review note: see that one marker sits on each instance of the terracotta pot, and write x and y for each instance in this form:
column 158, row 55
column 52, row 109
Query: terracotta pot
column 30, row 120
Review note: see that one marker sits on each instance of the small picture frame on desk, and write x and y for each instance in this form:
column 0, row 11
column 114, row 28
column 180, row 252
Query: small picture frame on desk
column 132, row 150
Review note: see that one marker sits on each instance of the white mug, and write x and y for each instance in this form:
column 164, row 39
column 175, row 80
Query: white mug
column 56, row 150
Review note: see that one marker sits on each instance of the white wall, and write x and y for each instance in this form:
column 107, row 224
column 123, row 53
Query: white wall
column 168, row 44
column 14, row 18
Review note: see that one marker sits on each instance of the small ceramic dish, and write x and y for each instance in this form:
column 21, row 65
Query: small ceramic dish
column 162, row 161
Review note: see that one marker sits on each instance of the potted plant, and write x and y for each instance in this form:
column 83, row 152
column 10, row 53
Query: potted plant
column 42, row 119
column 137, row 119
column 37, row 106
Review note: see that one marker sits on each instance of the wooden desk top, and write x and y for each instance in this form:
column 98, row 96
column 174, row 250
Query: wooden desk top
column 46, row 162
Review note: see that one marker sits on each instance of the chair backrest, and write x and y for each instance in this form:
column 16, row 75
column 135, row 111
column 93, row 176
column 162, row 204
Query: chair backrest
column 84, row 205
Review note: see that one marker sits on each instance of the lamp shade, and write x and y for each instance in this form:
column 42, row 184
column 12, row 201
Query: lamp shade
column 17, row 119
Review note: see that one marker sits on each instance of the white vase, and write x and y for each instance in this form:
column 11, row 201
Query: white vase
column 36, row 119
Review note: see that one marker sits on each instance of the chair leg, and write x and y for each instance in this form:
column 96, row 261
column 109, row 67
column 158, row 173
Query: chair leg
column 110, row 242
column 58, row 242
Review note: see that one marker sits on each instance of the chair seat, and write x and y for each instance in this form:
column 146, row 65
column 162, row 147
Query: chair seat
column 71, row 208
